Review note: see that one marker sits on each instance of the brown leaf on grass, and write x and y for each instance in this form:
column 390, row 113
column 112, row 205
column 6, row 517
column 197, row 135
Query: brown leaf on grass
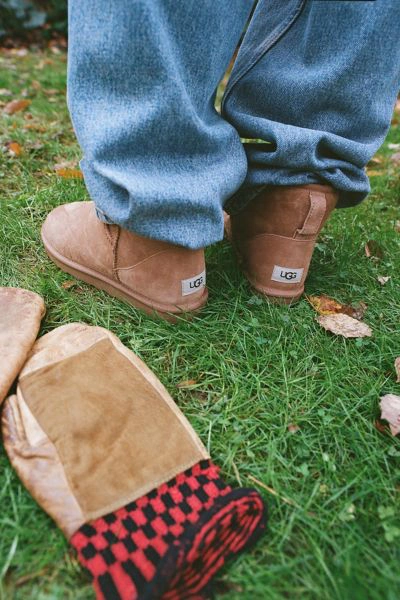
column 397, row 368
column 395, row 158
column 52, row 92
column 187, row 383
column 293, row 428
column 5, row 92
column 381, row 427
column 324, row 305
column 390, row 411
column 36, row 146
column 16, row 106
column 14, row 149
column 394, row 146
column 383, row 279
column 44, row 63
column 70, row 173
column 376, row 160
column 373, row 250
column 65, row 164
column 358, row 310
column 36, row 85
column 68, row 170
column 35, row 127
column 68, row 284
column 373, row 173
column 341, row 324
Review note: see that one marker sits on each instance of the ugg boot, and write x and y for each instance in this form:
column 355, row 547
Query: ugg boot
column 274, row 237
column 20, row 314
column 152, row 275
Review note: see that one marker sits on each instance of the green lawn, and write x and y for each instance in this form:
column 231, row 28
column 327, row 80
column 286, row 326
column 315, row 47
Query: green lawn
column 334, row 518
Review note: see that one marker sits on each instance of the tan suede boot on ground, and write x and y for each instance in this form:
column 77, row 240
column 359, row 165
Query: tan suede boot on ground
column 275, row 234
column 155, row 276
column 20, row 314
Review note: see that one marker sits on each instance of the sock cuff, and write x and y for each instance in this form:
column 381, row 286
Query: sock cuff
column 170, row 541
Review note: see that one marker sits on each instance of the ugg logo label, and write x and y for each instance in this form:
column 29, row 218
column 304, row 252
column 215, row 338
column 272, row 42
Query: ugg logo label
column 194, row 284
column 287, row 274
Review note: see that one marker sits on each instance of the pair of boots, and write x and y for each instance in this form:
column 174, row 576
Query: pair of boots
column 99, row 443
column 274, row 237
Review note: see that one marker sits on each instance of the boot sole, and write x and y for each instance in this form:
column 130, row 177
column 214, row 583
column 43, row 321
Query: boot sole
column 118, row 290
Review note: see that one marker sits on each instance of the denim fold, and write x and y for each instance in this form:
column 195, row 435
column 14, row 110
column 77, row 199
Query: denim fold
column 311, row 94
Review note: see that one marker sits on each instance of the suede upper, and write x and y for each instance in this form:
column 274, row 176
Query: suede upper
column 138, row 269
column 275, row 235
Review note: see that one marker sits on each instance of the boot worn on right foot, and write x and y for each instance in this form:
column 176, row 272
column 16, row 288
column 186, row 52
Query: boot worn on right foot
column 153, row 275
column 275, row 234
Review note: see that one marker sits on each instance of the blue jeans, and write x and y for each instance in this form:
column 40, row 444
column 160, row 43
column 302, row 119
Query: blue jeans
column 312, row 91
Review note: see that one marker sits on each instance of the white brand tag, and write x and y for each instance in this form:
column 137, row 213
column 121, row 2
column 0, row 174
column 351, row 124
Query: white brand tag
column 286, row 274
column 194, row 284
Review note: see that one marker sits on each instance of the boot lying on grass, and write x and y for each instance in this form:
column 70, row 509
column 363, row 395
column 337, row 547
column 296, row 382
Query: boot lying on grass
column 154, row 276
column 103, row 448
column 275, row 234
column 20, row 314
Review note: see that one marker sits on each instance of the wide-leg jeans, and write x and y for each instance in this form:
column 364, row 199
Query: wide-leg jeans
column 309, row 100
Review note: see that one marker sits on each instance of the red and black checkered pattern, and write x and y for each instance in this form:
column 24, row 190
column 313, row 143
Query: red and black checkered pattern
column 171, row 542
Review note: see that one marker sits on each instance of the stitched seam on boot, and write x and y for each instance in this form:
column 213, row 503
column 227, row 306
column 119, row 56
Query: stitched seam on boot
column 107, row 232
column 143, row 260
column 115, row 256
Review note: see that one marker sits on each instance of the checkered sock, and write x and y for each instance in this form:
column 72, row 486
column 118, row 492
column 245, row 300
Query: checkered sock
column 171, row 542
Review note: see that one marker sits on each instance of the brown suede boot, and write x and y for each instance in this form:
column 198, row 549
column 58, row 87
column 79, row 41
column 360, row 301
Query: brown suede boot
column 152, row 275
column 275, row 234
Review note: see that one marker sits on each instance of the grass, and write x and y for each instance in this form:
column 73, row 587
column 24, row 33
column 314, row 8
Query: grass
column 334, row 527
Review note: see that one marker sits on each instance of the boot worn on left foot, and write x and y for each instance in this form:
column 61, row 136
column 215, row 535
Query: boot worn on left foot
column 275, row 234
column 155, row 276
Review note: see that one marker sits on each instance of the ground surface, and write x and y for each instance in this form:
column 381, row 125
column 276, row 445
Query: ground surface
column 253, row 369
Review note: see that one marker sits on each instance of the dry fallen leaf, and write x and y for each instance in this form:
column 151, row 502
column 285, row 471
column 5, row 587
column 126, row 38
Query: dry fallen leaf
column 344, row 325
column 325, row 305
column 397, row 226
column 397, row 368
column 373, row 173
column 328, row 306
column 16, row 106
column 186, row 383
column 383, row 279
column 390, row 411
column 380, row 426
column 68, row 284
column 68, row 170
column 394, row 146
column 373, row 249
column 358, row 310
column 6, row 92
column 293, row 428
column 65, row 164
column 52, row 92
column 376, row 160
column 70, row 173
column 395, row 158
column 36, row 85
column 35, row 127
column 14, row 149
